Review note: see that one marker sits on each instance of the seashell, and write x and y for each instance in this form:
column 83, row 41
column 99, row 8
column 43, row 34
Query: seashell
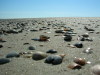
column 78, row 45
column 13, row 54
column 88, row 50
column 74, row 66
column 51, row 51
column 4, row 61
column 54, row 59
column 39, row 55
column 31, row 48
column 68, row 38
column 43, row 38
column 95, row 69
column 80, row 61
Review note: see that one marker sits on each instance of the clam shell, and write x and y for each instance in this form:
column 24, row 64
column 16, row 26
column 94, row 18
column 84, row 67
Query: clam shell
column 39, row 55
column 80, row 61
column 74, row 66
column 95, row 69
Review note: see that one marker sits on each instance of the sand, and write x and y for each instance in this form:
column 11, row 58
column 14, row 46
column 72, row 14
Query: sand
column 28, row 66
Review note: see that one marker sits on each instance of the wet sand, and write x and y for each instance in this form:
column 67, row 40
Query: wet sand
column 47, row 26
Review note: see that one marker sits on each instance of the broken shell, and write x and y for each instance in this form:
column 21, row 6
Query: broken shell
column 39, row 55
column 74, row 66
column 80, row 61
column 62, row 55
column 44, row 38
column 95, row 69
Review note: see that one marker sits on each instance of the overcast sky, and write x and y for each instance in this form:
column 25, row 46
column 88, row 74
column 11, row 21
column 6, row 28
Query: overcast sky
column 49, row 8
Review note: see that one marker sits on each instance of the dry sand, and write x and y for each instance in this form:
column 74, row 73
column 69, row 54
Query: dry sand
column 27, row 66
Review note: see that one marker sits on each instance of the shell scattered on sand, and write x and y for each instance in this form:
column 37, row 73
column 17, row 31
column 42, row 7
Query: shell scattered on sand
column 95, row 69
column 74, row 66
column 80, row 61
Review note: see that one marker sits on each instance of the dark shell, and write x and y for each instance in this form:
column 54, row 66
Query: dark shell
column 80, row 61
column 68, row 38
column 31, row 48
column 78, row 45
column 74, row 66
column 39, row 55
column 4, row 61
column 54, row 59
column 51, row 51
column 43, row 38
column 11, row 55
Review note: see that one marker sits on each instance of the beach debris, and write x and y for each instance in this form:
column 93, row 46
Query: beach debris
column 4, row 61
column 88, row 50
column 13, row 54
column 78, row 45
column 88, row 29
column 88, row 39
column 68, row 38
column 55, row 59
column 74, row 66
column 31, row 48
column 80, row 61
column 95, row 69
column 43, row 38
column 51, row 51
column 39, row 55
column 1, row 46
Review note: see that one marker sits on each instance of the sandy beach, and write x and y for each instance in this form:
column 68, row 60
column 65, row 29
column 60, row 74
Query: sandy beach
column 16, row 35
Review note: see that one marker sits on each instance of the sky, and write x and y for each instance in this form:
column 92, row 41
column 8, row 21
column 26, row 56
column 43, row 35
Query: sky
column 49, row 8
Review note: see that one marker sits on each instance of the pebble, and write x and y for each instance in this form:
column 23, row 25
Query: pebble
column 68, row 38
column 39, row 55
column 13, row 54
column 4, row 61
column 31, row 48
column 78, row 45
column 54, row 59
column 1, row 46
column 51, row 51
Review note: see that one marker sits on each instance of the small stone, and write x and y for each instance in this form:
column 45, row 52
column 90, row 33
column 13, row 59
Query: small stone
column 78, row 45
column 4, row 61
column 51, row 51
column 68, row 38
column 54, row 59
column 13, row 54
column 31, row 48
column 1, row 46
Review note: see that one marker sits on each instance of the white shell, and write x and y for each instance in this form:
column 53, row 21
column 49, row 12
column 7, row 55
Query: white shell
column 95, row 69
